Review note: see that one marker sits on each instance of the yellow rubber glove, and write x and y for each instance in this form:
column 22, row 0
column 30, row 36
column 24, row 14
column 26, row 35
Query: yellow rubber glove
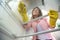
column 22, row 11
column 53, row 18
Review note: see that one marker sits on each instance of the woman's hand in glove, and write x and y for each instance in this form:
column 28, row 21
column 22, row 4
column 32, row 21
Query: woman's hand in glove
column 53, row 18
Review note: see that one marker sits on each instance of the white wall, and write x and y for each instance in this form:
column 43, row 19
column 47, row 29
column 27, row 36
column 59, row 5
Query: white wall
column 51, row 4
column 11, row 23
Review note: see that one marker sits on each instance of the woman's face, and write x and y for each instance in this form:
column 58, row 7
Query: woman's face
column 35, row 13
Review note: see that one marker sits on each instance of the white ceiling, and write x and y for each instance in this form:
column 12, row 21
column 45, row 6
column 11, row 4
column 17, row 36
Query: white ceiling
column 30, row 4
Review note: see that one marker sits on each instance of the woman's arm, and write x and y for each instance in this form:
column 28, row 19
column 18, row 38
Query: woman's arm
column 35, row 30
column 27, row 26
column 48, row 23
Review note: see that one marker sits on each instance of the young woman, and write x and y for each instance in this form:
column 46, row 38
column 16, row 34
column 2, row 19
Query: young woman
column 39, row 25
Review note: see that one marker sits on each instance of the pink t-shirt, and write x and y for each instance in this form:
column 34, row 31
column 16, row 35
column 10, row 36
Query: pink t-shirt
column 38, row 26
